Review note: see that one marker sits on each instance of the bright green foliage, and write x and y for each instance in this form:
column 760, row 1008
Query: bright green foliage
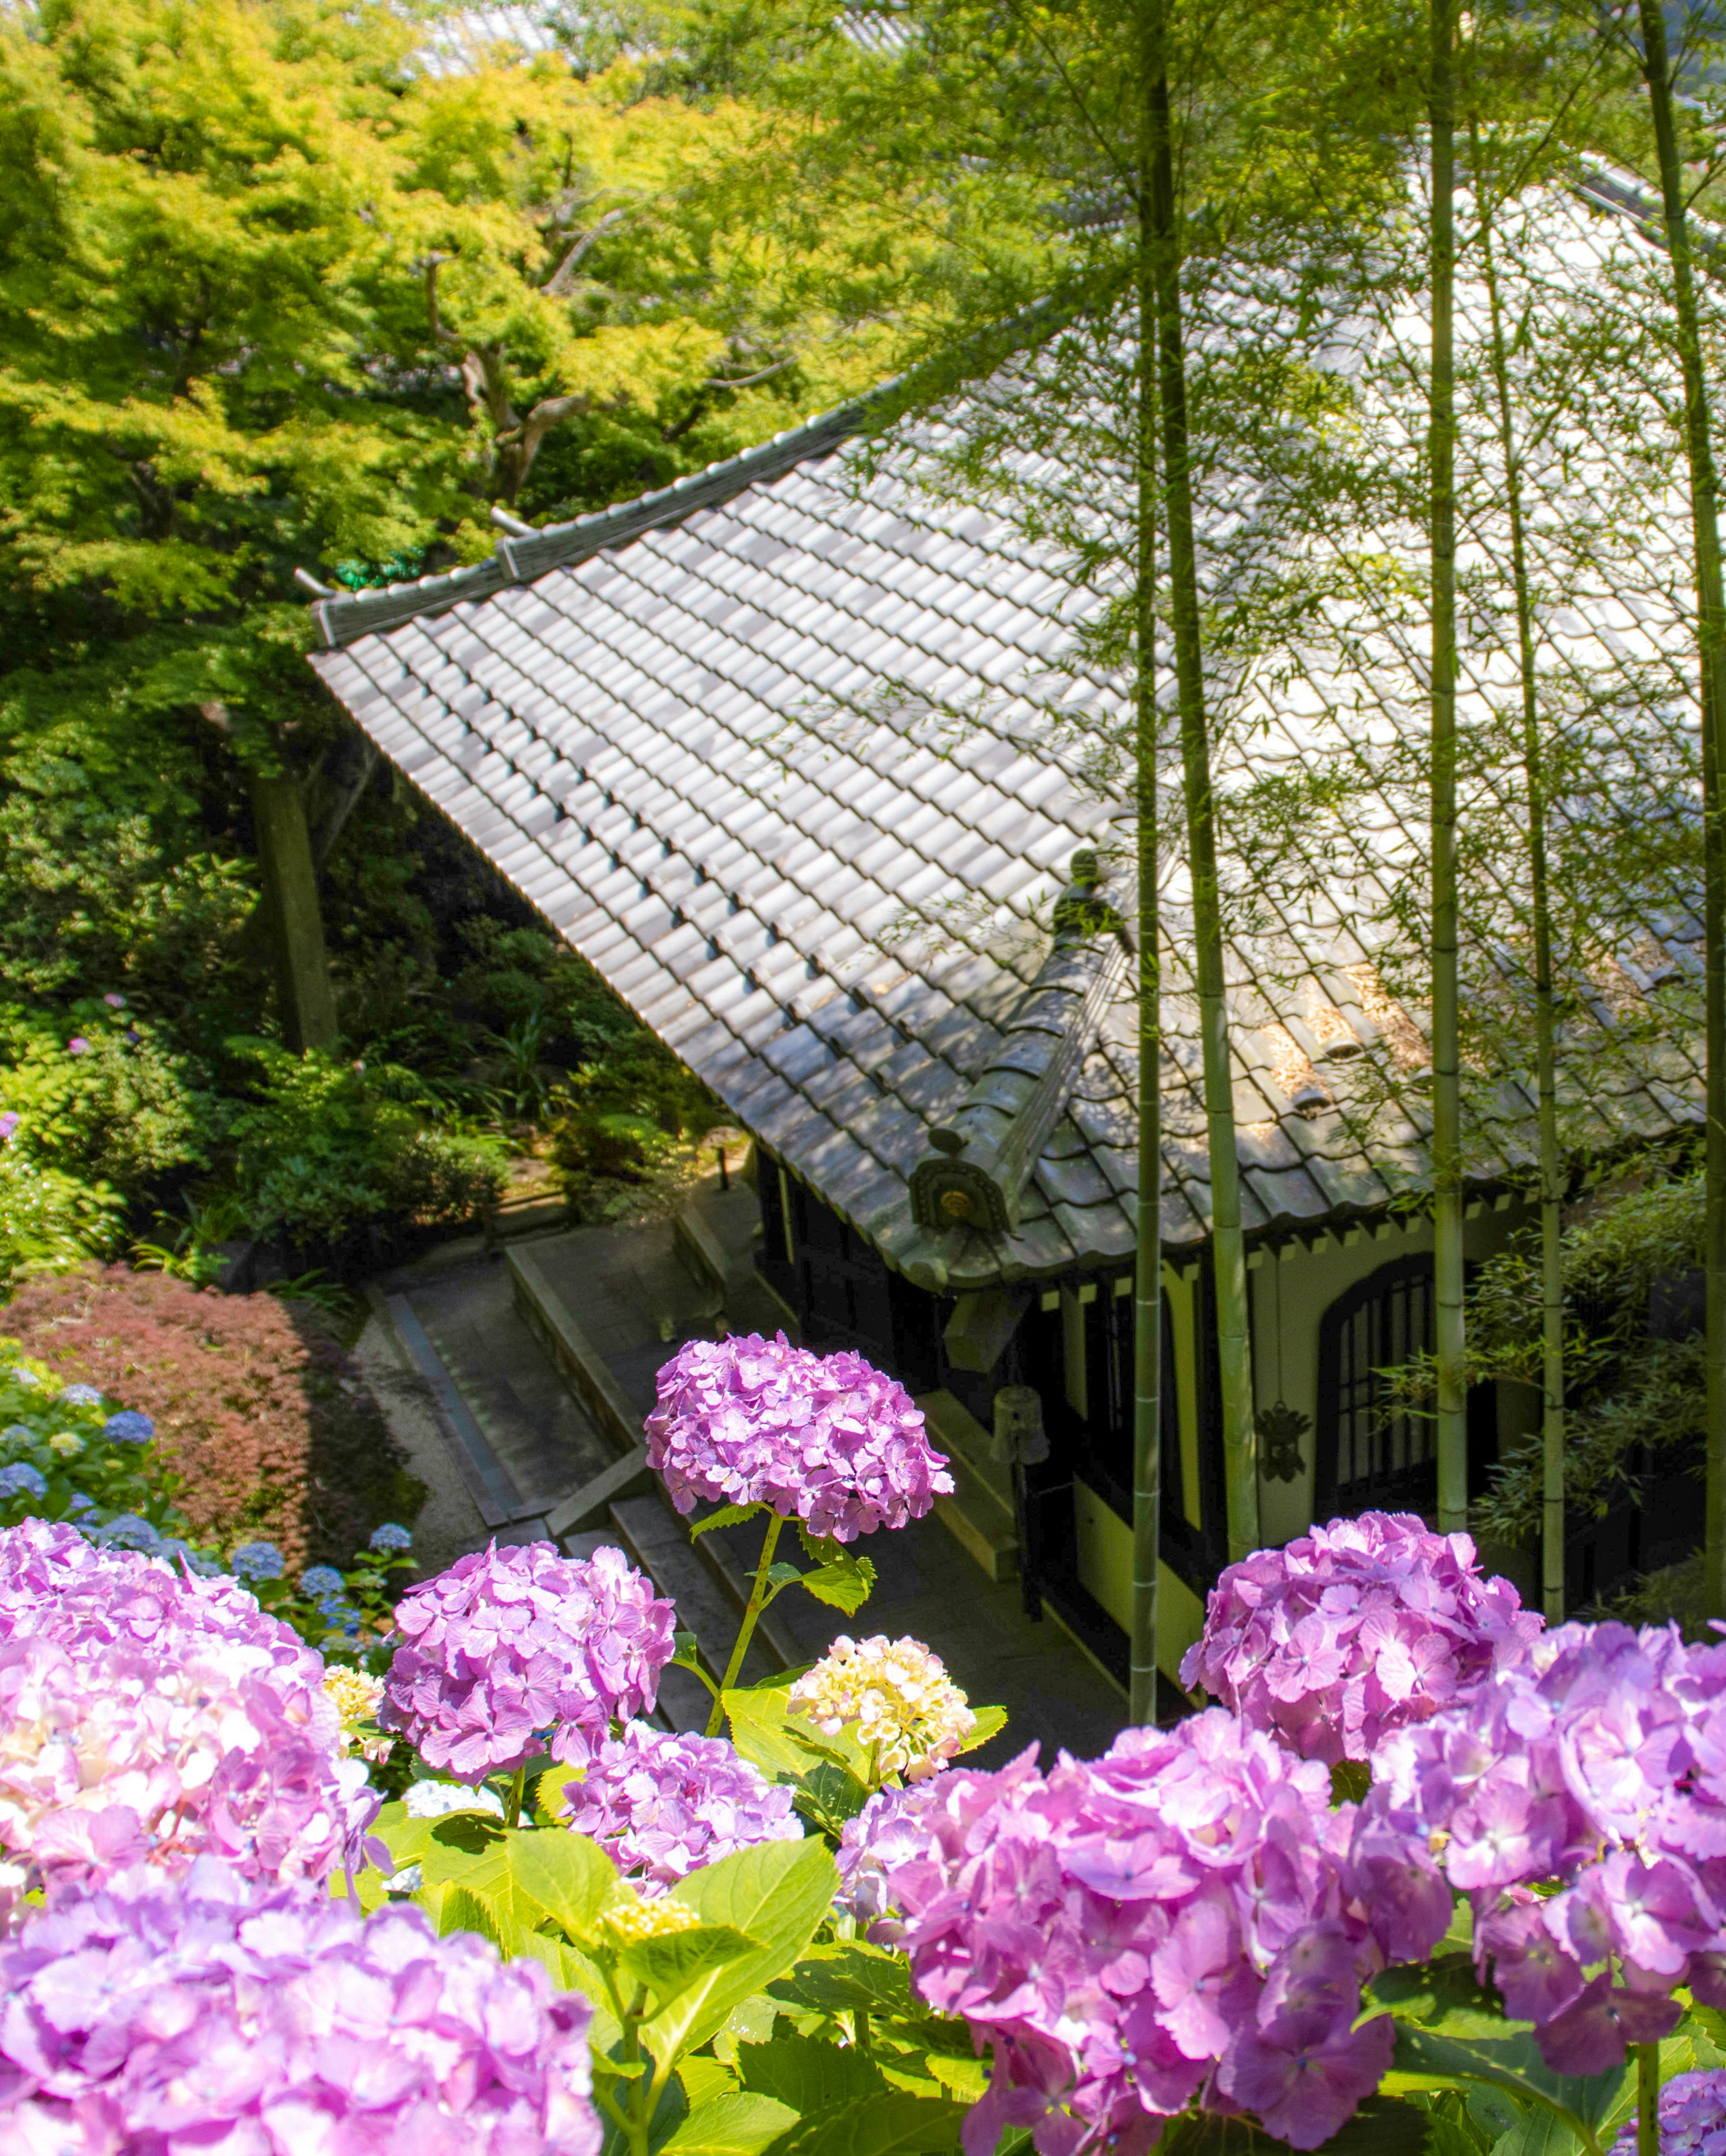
column 325, row 1149
column 120, row 1107
column 51, row 1223
column 1628, row 1391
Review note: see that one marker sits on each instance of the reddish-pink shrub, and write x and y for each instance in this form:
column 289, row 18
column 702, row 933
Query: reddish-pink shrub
column 254, row 1402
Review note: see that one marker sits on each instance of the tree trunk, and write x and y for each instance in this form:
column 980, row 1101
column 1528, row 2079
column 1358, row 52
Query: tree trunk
column 1552, row 1168
column 1147, row 1283
column 290, row 908
column 1452, row 1421
column 1229, row 1250
column 1711, row 638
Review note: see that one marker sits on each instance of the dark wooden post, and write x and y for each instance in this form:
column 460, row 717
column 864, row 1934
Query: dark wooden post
column 290, row 904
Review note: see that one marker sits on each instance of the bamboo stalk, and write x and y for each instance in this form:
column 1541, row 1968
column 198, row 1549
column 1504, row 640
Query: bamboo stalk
column 1452, row 1416
column 1551, row 1166
column 1148, row 1279
column 1228, row 1246
column 1711, row 640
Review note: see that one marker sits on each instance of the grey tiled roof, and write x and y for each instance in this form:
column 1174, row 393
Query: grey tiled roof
column 695, row 731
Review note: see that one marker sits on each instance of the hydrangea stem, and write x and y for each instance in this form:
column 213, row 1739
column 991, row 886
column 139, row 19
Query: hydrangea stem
column 760, row 1594
column 512, row 1808
column 1647, row 2100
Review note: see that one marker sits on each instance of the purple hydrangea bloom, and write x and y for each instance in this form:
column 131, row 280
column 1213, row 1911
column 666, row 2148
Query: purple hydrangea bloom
column 1164, row 1924
column 1598, row 1762
column 78, row 1045
column 129, row 1427
column 9, row 1122
column 82, row 1396
column 22, row 1480
column 156, row 2013
column 665, row 1805
column 512, row 1652
column 144, row 1712
column 827, row 1439
column 1692, row 2118
column 115, row 1000
column 1352, row 1630
column 888, row 1832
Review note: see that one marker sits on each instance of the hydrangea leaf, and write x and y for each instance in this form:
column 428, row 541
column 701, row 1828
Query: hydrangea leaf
column 669, row 1965
column 848, row 1977
column 893, row 2124
column 778, row 1893
column 732, row 2126
column 567, row 1877
column 809, row 2073
column 725, row 1516
column 991, row 1721
column 846, row 1585
column 1426, row 2061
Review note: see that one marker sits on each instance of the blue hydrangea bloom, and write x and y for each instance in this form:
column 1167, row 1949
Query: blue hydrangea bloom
column 129, row 1427
column 78, row 1502
column 82, row 1396
column 128, row 1531
column 21, row 1376
column 17, row 1433
column 258, row 1561
column 342, row 1618
column 322, row 1579
column 21, row 1476
column 390, row 1537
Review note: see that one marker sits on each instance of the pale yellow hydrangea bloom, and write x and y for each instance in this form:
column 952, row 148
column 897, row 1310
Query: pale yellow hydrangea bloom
column 895, row 1695
column 66, row 1444
column 355, row 1696
column 634, row 1921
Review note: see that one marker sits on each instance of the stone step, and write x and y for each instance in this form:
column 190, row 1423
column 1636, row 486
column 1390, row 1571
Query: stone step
column 655, row 1540
column 980, row 1514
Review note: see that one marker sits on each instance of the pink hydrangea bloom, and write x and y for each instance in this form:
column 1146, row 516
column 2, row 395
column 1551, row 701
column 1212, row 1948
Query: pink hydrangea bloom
column 155, row 2015
column 827, row 1439
column 1692, row 2118
column 1352, row 1630
column 512, row 1652
column 1165, row 1924
column 149, row 1715
column 665, row 1805
column 55, row 1585
column 1600, row 1762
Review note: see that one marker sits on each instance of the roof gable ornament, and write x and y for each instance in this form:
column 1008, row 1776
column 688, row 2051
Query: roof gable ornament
column 983, row 1156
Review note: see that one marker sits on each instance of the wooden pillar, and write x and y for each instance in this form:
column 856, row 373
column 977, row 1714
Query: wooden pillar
column 290, row 906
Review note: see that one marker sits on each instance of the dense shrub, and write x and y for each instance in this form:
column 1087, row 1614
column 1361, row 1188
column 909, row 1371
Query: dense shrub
column 100, row 1094
column 254, row 1402
column 324, row 1148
